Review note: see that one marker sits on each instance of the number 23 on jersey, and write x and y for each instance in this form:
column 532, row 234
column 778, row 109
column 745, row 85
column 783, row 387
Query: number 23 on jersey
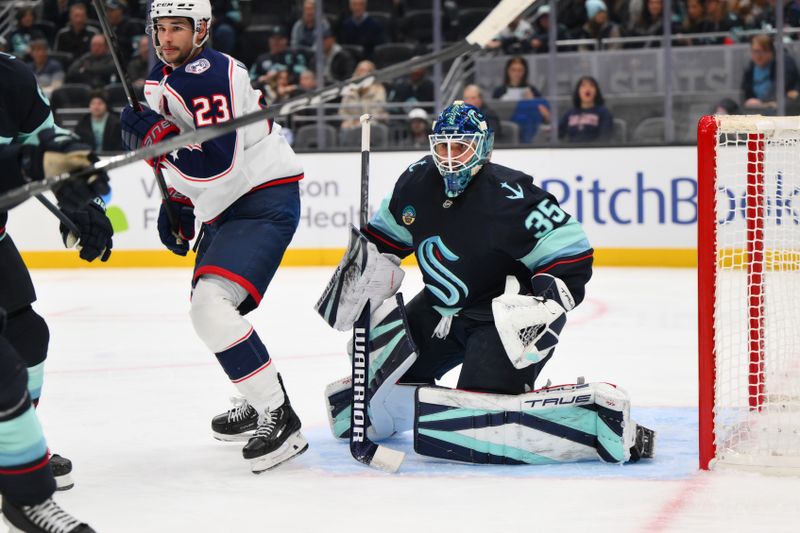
column 210, row 111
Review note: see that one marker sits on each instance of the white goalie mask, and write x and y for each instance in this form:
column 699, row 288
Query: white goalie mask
column 197, row 11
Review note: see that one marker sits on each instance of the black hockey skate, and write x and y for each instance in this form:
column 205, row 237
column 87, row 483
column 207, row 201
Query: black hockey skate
column 277, row 438
column 47, row 517
column 645, row 445
column 238, row 424
column 62, row 471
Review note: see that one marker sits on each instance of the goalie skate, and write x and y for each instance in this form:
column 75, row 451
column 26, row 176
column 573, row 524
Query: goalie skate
column 62, row 471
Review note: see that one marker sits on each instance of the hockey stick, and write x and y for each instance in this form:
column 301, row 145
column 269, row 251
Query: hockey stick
column 63, row 218
column 497, row 19
column 361, row 448
column 127, row 86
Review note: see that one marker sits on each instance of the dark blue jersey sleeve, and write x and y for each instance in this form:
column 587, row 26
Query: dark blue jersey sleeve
column 546, row 239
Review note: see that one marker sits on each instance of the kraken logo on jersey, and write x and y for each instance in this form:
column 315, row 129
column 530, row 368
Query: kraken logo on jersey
column 430, row 253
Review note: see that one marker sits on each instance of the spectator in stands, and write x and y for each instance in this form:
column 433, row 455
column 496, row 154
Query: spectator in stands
column 339, row 64
column 572, row 13
column 694, row 22
column 4, row 45
column 415, row 88
column 139, row 65
column 515, row 38
column 226, row 21
column 96, row 67
column 304, row 30
column 473, row 95
column 419, row 127
column 122, row 28
column 76, row 36
column 49, row 72
column 371, row 99
column 56, row 11
column 100, row 128
column 361, row 29
column 758, row 83
column 278, row 58
column 25, row 33
column 719, row 18
column 650, row 23
column 280, row 88
column 760, row 14
column 540, row 40
column 589, row 119
column 308, row 82
column 726, row 106
column 598, row 27
column 532, row 109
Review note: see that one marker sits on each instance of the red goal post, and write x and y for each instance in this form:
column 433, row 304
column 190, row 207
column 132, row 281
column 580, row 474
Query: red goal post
column 749, row 292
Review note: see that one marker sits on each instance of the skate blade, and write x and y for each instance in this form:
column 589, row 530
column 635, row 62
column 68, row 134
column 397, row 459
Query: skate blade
column 64, row 482
column 237, row 437
column 294, row 446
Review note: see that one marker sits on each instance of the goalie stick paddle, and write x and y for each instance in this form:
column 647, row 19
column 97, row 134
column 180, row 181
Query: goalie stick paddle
column 361, row 448
column 495, row 21
column 113, row 46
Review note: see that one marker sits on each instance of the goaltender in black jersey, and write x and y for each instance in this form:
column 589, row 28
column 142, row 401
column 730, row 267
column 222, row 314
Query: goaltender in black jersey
column 502, row 265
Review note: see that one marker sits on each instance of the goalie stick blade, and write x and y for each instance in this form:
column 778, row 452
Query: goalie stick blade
column 377, row 456
column 497, row 19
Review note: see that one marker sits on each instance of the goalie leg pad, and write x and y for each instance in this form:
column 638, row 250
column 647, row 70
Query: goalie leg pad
column 364, row 274
column 392, row 352
column 557, row 424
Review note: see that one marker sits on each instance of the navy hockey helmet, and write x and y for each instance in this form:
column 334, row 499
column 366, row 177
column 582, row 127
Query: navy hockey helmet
column 461, row 143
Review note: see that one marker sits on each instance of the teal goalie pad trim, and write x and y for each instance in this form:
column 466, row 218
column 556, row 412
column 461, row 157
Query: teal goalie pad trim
column 575, row 418
column 452, row 414
column 500, row 450
column 376, row 364
column 614, row 444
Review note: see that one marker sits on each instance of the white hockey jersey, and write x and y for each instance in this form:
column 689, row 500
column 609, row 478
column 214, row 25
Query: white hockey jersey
column 211, row 89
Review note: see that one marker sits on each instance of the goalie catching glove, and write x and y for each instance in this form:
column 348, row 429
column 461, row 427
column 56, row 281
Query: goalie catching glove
column 529, row 326
column 363, row 275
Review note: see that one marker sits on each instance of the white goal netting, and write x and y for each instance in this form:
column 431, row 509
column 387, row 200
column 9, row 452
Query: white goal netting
column 757, row 295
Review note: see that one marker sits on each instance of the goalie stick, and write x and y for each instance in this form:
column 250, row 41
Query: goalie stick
column 113, row 46
column 495, row 21
column 361, row 448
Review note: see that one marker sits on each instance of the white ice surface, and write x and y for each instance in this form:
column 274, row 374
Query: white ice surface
column 129, row 393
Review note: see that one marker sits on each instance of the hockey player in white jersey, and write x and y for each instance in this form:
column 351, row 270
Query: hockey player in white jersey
column 242, row 188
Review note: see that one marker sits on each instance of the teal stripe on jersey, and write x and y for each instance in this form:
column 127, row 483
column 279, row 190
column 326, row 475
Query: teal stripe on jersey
column 6, row 140
column 35, row 380
column 501, row 450
column 384, row 221
column 33, row 136
column 564, row 241
column 21, row 440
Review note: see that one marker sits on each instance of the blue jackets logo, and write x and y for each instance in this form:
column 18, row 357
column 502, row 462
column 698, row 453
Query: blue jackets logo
column 409, row 215
column 199, row 66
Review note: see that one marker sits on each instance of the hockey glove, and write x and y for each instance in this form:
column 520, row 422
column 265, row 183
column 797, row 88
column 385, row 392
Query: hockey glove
column 529, row 326
column 145, row 128
column 58, row 153
column 184, row 211
column 96, row 231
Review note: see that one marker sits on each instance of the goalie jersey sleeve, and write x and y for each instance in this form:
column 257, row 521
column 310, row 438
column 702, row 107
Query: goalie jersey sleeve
column 503, row 224
column 212, row 89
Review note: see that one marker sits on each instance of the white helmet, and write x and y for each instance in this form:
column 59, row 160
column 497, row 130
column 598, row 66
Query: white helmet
column 196, row 10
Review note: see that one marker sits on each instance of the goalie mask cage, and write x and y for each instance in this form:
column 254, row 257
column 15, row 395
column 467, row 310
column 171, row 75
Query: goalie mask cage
column 749, row 292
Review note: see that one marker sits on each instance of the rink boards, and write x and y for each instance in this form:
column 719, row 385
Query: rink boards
column 637, row 205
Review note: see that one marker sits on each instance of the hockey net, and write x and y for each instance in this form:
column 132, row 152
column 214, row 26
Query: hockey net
column 749, row 292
